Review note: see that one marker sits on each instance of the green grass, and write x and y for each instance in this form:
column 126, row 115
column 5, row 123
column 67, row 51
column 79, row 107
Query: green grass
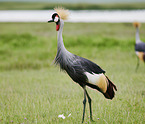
column 33, row 90
column 72, row 6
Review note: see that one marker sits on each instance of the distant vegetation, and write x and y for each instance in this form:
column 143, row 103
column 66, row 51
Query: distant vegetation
column 78, row 6
column 29, row 45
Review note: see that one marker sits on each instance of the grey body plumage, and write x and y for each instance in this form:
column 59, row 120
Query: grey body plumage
column 140, row 47
column 74, row 65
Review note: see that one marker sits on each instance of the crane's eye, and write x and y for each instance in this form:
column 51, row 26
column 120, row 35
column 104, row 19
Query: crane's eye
column 56, row 19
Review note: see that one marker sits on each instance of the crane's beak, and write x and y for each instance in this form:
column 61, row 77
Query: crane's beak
column 50, row 21
column 57, row 25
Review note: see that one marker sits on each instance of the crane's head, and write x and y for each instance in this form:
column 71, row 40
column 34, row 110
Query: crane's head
column 136, row 24
column 61, row 13
column 56, row 19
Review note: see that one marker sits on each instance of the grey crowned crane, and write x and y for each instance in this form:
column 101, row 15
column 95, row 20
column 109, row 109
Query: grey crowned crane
column 139, row 45
column 81, row 70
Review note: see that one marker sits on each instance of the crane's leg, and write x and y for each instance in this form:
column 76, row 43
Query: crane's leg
column 89, row 100
column 84, row 102
column 137, row 64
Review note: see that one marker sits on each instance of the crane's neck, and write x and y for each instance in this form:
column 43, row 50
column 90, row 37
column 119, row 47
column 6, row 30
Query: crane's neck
column 60, row 44
column 63, row 56
column 137, row 35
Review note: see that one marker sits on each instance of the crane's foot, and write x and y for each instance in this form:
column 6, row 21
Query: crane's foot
column 91, row 119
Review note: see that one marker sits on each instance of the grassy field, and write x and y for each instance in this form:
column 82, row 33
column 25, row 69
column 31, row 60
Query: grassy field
column 33, row 90
column 72, row 6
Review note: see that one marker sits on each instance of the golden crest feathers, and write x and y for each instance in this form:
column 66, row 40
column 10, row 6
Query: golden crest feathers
column 136, row 24
column 63, row 13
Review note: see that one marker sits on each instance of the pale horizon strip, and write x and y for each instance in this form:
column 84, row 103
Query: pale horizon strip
column 112, row 16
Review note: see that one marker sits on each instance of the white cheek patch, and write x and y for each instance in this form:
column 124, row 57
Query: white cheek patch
column 56, row 19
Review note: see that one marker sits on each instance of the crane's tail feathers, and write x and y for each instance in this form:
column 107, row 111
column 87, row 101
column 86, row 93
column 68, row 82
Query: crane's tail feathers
column 136, row 24
column 63, row 13
column 110, row 93
column 102, row 83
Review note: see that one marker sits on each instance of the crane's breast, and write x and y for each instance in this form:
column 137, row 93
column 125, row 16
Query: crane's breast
column 99, row 80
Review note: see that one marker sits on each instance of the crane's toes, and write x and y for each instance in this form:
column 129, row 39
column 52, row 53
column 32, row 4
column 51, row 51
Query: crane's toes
column 92, row 120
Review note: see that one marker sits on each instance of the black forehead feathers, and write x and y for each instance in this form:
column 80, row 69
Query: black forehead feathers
column 55, row 14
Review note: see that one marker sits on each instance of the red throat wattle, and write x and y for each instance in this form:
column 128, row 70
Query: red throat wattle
column 57, row 27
